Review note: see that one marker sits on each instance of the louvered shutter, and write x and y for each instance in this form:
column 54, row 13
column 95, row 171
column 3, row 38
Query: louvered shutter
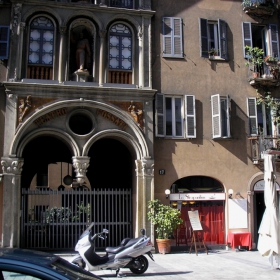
column 160, row 119
column 228, row 115
column 190, row 116
column 247, row 36
column 252, row 115
column 222, row 26
column 4, row 42
column 274, row 41
column 216, row 116
column 172, row 37
column 167, row 36
column 203, row 28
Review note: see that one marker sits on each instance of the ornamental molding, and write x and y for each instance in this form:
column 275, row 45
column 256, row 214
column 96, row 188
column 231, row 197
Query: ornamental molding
column 12, row 165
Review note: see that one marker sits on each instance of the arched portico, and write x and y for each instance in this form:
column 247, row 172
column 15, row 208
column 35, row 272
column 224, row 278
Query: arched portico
column 133, row 138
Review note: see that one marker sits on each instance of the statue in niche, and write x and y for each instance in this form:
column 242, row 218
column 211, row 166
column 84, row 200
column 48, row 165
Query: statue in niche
column 135, row 113
column 24, row 106
column 83, row 52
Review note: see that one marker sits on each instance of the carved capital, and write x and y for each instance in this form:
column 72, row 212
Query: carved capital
column 16, row 18
column 12, row 165
column 145, row 167
column 102, row 33
column 80, row 165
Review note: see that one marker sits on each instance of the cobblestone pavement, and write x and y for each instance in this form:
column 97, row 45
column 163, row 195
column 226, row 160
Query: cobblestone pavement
column 218, row 264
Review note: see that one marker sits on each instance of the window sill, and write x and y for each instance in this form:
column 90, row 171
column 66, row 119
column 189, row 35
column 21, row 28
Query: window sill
column 226, row 138
column 216, row 57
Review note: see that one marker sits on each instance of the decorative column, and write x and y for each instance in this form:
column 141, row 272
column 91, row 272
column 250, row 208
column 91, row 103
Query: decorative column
column 61, row 69
column 102, row 34
column 80, row 164
column 12, row 168
column 144, row 193
column 141, row 57
column 250, row 203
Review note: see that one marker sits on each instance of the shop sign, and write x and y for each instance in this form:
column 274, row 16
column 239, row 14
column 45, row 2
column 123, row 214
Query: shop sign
column 197, row 196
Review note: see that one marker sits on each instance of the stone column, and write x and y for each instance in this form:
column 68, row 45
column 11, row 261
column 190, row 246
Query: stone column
column 144, row 193
column 62, row 47
column 12, row 168
column 141, row 57
column 80, row 164
column 251, row 226
column 102, row 34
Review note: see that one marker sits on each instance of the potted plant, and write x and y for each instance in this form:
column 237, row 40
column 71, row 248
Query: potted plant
column 255, row 59
column 212, row 53
column 166, row 220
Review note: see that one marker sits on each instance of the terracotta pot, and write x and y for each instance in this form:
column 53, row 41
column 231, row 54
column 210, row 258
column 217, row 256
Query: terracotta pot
column 256, row 74
column 164, row 246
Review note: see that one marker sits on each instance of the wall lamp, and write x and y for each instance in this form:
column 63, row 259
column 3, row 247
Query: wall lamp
column 230, row 193
column 167, row 193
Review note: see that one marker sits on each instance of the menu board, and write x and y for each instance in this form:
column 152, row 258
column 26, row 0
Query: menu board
column 194, row 219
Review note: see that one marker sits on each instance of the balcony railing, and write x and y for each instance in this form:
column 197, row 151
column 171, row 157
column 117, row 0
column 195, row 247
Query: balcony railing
column 259, row 8
column 122, row 3
column 120, row 77
column 261, row 143
column 40, row 72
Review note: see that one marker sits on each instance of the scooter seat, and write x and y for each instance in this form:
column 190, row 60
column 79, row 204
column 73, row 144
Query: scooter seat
column 114, row 250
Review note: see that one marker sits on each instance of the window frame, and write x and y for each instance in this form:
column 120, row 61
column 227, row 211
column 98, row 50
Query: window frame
column 188, row 116
column 221, row 42
column 5, row 42
column 172, row 37
column 218, row 121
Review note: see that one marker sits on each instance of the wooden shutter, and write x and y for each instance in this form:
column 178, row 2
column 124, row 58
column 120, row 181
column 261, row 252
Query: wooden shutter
column 216, row 116
column 4, row 41
column 228, row 115
column 274, row 40
column 252, row 115
column 247, row 36
column 172, row 37
column 190, row 116
column 203, row 28
column 160, row 115
column 222, row 29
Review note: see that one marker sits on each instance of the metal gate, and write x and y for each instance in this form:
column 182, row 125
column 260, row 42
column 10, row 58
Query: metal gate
column 54, row 220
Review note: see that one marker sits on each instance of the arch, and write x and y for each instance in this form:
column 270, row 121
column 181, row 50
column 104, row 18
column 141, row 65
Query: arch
column 22, row 130
column 43, row 11
column 65, row 137
column 256, row 177
column 86, row 15
column 122, row 17
column 115, row 133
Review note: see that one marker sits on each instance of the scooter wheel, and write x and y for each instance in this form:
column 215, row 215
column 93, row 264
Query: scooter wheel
column 139, row 265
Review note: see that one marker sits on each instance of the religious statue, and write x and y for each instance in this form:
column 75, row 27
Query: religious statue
column 83, row 52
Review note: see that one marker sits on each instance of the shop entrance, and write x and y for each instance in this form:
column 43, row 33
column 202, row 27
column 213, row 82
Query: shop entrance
column 259, row 211
column 55, row 214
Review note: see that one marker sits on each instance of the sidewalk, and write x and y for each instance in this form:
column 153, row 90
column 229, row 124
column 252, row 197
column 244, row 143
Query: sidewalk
column 218, row 264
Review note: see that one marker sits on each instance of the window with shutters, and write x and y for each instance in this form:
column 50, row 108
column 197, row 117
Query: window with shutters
column 262, row 36
column 220, row 106
column 213, row 36
column 172, row 42
column 4, row 41
column 262, row 119
column 175, row 116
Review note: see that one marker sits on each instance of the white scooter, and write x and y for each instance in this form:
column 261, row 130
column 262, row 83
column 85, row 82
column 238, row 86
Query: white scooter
column 128, row 255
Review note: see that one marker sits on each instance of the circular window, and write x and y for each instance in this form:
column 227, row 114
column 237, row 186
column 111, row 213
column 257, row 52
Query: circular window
column 80, row 123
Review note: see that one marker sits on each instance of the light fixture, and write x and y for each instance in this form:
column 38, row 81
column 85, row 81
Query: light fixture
column 230, row 193
column 167, row 193
column 184, row 203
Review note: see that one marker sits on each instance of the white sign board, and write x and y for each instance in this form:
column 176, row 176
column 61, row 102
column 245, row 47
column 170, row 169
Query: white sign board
column 238, row 214
column 197, row 196
column 194, row 219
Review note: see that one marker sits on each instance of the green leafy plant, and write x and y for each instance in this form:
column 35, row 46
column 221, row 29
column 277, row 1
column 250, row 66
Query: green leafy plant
column 165, row 218
column 58, row 215
column 255, row 58
column 213, row 51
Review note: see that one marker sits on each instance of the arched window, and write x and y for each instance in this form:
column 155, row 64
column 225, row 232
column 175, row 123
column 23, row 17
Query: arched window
column 120, row 54
column 41, row 43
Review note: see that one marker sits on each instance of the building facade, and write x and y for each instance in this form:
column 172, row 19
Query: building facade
column 78, row 132
column 210, row 133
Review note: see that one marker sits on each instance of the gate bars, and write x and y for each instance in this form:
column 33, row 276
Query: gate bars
column 54, row 219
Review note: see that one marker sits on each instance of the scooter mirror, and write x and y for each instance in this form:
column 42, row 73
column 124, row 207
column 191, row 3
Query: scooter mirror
column 142, row 231
column 105, row 230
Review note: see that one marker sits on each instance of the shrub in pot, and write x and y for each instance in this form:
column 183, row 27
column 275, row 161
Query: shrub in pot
column 166, row 220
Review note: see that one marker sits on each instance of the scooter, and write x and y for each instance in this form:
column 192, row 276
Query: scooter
column 128, row 255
